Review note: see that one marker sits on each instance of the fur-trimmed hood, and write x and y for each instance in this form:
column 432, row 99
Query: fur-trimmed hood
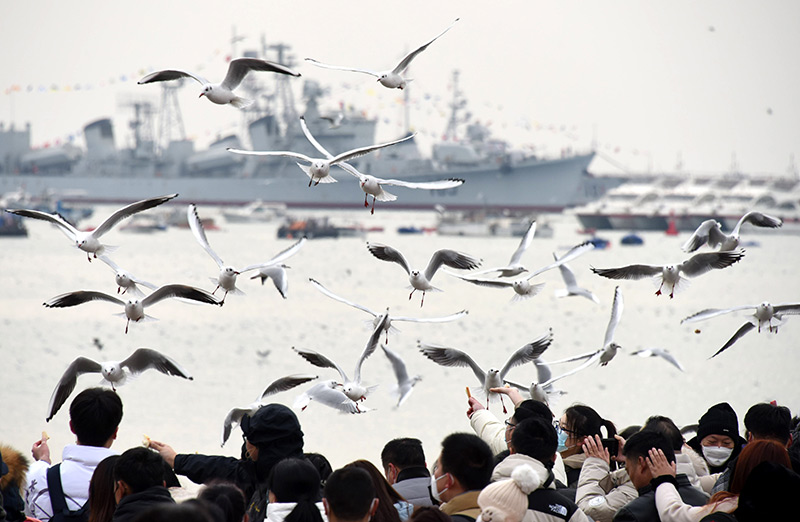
column 17, row 467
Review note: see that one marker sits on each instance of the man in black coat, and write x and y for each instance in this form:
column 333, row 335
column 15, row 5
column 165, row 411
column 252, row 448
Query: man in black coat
column 138, row 483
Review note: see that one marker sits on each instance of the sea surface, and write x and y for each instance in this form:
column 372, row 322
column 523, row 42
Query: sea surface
column 223, row 348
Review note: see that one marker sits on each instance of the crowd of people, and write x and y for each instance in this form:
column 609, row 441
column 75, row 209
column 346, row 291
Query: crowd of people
column 534, row 466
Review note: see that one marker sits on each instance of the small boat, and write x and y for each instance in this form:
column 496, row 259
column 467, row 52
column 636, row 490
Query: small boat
column 255, row 212
column 600, row 243
column 632, row 240
column 317, row 228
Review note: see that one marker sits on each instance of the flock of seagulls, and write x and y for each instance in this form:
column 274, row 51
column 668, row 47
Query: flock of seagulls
column 347, row 394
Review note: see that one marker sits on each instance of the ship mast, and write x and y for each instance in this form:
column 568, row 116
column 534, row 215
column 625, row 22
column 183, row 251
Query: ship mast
column 458, row 103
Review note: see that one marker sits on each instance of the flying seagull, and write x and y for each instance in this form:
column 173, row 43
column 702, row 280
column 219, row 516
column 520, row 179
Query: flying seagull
column 89, row 242
column 710, row 232
column 126, row 280
column 571, row 283
column 319, row 169
column 330, row 394
column 405, row 384
column 493, row 378
column 377, row 317
column 674, row 276
column 514, row 266
column 114, row 373
column 134, row 308
column 658, row 352
column 392, row 79
column 222, row 93
column 537, row 390
column 422, row 280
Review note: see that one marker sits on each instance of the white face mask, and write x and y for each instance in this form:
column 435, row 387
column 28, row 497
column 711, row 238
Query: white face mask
column 435, row 493
column 717, row 455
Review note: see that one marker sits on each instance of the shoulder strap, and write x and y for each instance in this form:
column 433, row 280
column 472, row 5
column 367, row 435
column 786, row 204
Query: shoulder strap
column 56, row 491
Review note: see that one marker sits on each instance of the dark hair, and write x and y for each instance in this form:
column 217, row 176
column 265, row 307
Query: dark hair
column 626, row 432
column 227, row 497
column 537, row 439
column 466, row 457
column 769, row 421
column 584, row 421
column 297, row 480
column 403, row 453
column 429, row 514
column 349, row 493
column 94, row 415
column 384, row 492
column 322, row 465
column 667, row 428
column 191, row 510
column 769, row 493
column 140, row 468
column 640, row 444
column 102, row 501
column 532, row 408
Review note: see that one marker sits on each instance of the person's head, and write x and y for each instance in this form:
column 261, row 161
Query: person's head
column 753, row 454
column 769, row 493
column 667, row 428
column 537, row 439
column 192, row 510
column 296, row 480
column 349, row 496
column 429, row 514
column 399, row 454
column 525, row 410
column 322, row 465
column 769, row 421
column 718, row 436
column 227, row 497
column 580, row 421
column 627, row 431
column 94, row 416
column 636, row 450
column 507, row 500
column 384, row 492
column 271, row 434
column 465, row 464
column 136, row 470
column 102, row 500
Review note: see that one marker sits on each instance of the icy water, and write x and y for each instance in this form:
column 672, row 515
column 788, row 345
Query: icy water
column 220, row 346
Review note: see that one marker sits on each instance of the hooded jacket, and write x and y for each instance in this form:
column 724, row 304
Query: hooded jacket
column 12, row 483
column 131, row 506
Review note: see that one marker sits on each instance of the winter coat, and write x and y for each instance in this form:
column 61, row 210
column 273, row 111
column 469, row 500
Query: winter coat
column 131, row 506
column 545, row 504
column 493, row 433
column 643, row 509
column 413, row 484
column 277, row 511
column 671, row 507
column 465, row 504
column 77, row 467
column 601, row 492
column 12, row 484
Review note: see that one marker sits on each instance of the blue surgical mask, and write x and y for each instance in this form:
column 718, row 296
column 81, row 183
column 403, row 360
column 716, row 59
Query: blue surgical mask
column 562, row 441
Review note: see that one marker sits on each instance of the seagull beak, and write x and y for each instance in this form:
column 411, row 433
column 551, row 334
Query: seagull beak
column 201, row 95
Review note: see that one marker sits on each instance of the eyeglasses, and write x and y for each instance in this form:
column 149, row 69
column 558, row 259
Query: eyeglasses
column 509, row 424
column 559, row 428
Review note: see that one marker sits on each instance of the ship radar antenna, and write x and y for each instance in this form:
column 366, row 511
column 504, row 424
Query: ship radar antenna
column 170, row 118
column 456, row 105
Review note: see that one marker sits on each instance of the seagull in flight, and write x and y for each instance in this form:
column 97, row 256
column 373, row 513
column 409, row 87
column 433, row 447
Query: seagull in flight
column 523, row 289
column 572, row 284
column 89, row 242
column 126, row 280
column 319, row 169
column 658, row 352
column 377, row 317
column 234, row 417
column 422, row 280
column 222, row 93
column 674, row 276
column 764, row 315
column 405, row 384
column 537, row 390
column 227, row 273
column 515, row 267
column 134, row 308
column 605, row 353
column 330, row 394
column 710, row 232
column 353, row 389
column 493, row 378
column 114, row 373
column 392, row 79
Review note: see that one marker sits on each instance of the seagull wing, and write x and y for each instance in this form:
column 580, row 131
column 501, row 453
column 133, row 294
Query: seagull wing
column 425, row 185
column 574, row 252
column 239, row 68
column 184, row 291
column 594, row 358
column 451, row 357
column 669, row 358
column 444, row 319
column 701, row 263
column 387, row 253
column 171, row 74
column 399, row 367
column 232, row 419
column 280, row 257
column 616, row 315
column 80, row 297
column 451, row 258
column 340, row 68
column 746, row 327
column 527, row 353
column 404, row 63
column 523, row 244
column 491, row 283
column 629, row 272
column 278, row 275
column 786, row 309
column 200, row 233
column 126, row 211
column 371, row 346
column 62, row 224
column 543, row 371
column 357, row 153
column 317, row 359
column 145, row 359
column 588, row 355
column 700, row 236
column 708, row 313
column 68, row 381
column 333, row 398
column 282, row 153
column 758, row 219
column 287, row 383
column 330, row 294
column 313, row 140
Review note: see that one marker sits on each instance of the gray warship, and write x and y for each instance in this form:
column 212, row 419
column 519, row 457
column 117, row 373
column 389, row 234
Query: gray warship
column 496, row 176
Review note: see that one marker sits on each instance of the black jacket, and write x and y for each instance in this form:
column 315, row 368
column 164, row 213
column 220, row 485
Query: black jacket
column 643, row 509
column 201, row 469
column 132, row 505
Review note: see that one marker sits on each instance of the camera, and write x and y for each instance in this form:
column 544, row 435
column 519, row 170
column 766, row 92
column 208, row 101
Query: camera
column 612, row 445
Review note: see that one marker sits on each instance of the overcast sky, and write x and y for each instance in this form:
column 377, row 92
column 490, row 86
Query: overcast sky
column 649, row 82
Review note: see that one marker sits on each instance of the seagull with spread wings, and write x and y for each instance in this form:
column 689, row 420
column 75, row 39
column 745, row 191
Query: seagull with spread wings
column 330, row 394
column 405, row 384
column 572, row 288
column 514, row 266
column 659, row 352
column 710, row 232
column 126, row 280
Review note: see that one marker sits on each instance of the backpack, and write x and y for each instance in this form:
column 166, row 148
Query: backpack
column 59, row 502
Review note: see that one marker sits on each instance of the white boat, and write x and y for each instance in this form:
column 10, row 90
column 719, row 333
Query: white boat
column 256, row 212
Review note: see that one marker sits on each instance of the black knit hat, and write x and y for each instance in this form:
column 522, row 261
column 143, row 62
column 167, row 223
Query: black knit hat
column 720, row 419
column 271, row 423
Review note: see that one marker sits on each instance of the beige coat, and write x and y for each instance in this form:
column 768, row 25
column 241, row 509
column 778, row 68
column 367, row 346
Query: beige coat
column 602, row 492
